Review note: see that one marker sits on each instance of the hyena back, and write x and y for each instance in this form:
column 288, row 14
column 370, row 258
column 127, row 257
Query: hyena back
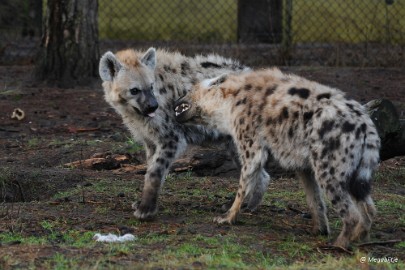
column 142, row 88
column 308, row 127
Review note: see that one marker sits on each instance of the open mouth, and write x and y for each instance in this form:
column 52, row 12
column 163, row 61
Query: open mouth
column 151, row 113
column 183, row 107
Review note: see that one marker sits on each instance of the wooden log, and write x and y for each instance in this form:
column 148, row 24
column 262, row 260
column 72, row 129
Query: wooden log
column 390, row 128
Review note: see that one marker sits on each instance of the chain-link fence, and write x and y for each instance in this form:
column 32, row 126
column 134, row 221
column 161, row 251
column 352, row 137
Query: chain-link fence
column 259, row 32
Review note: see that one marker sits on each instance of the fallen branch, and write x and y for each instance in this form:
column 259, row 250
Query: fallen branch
column 335, row 248
column 9, row 130
column 78, row 129
column 100, row 163
column 380, row 243
column 120, row 164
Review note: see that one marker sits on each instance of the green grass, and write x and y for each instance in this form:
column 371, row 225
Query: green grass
column 71, row 238
column 190, row 241
column 215, row 252
column 216, row 21
column 348, row 21
column 208, row 20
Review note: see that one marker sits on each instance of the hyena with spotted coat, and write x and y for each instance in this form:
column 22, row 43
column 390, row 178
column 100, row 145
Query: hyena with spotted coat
column 142, row 88
column 308, row 127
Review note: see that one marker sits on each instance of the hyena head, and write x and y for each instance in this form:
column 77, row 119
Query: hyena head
column 128, row 81
column 200, row 105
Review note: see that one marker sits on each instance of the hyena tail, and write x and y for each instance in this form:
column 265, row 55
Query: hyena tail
column 359, row 182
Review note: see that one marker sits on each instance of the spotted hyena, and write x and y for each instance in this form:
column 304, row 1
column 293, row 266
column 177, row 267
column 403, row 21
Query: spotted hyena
column 308, row 127
column 142, row 88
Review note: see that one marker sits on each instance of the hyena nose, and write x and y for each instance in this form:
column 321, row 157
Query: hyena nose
column 152, row 106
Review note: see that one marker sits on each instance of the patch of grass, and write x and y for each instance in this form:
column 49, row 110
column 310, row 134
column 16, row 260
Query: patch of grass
column 153, row 238
column 61, row 262
column 79, row 239
column 133, row 146
column 129, row 145
column 394, row 207
column 72, row 238
column 216, row 252
column 47, row 225
column 393, row 177
column 33, row 143
column 282, row 198
column 122, row 249
column 391, row 205
column 8, row 237
column 99, row 186
column 294, row 248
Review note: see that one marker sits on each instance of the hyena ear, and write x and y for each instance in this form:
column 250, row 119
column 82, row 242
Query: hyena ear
column 149, row 59
column 109, row 66
column 214, row 81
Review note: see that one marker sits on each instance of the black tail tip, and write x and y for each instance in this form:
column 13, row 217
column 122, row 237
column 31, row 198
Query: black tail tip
column 359, row 188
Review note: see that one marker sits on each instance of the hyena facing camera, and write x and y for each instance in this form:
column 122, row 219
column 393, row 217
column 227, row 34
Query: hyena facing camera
column 142, row 88
column 308, row 127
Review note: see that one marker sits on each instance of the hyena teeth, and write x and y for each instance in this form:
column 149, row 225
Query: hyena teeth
column 181, row 108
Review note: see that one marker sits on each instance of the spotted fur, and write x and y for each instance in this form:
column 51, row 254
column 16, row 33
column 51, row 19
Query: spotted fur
column 142, row 87
column 328, row 139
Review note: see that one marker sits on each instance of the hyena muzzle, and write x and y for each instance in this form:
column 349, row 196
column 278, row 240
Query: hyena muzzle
column 328, row 139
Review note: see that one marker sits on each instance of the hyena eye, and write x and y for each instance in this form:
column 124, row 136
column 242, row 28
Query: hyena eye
column 134, row 91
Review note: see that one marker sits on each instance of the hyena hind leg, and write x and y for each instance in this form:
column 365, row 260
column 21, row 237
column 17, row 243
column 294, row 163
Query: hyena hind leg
column 316, row 204
column 251, row 172
column 348, row 211
column 368, row 212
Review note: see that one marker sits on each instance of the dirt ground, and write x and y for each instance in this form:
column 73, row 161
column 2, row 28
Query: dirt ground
column 43, row 199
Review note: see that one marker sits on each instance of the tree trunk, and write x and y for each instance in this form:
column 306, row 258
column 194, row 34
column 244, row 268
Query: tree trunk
column 390, row 128
column 260, row 21
column 69, row 48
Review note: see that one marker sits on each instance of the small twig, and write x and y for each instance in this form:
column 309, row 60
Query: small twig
column 82, row 174
column 337, row 248
column 17, row 183
column 388, row 242
column 295, row 210
column 9, row 130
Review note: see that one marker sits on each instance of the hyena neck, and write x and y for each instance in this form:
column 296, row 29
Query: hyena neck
column 178, row 73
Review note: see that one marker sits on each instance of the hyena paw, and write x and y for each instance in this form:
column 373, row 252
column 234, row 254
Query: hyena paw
column 342, row 242
column 225, row 219
column 320, row 231
column 144, row 211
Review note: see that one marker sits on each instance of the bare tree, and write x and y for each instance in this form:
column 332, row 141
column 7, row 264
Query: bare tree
column 69, row 48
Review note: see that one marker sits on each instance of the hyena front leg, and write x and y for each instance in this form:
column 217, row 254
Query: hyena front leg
column 252, row 171
column 256, row 192
column 158, row 167
column 315, row 202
